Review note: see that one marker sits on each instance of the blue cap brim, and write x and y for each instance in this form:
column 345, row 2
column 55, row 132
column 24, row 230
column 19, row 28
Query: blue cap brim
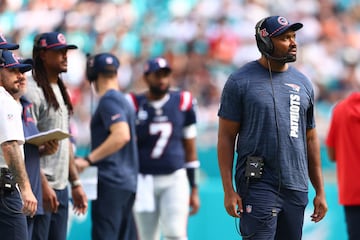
column 9, row 46
column 294, row 27
column 158, row 69
column 22, row 67
column 62, row 47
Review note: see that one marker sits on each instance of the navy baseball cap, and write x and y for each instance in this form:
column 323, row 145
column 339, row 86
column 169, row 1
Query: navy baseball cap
column 277, row 25
column 5, row 45
column 105, row 63
column 27, row 61
column 53, row 40
column 156, row 64
column 10, row 60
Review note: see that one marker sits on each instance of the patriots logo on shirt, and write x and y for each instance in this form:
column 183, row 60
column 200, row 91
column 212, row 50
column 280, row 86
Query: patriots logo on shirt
column 114, row 117
column 294, row 87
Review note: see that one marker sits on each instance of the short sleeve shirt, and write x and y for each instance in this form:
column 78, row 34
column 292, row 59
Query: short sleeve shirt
column 55, row 166
column 274, row 113
column 10, row 118
column 119, row 169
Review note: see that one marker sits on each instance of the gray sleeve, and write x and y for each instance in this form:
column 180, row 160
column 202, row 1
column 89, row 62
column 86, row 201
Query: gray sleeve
column 36, row 96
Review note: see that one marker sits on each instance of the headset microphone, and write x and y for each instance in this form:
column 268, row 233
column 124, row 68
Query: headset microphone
column 284, row 59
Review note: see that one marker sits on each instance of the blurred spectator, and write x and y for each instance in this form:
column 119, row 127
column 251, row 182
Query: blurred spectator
column 204, row 39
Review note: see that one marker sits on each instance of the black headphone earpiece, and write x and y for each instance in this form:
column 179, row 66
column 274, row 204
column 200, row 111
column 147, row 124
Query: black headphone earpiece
column 263, row 43
column 2, row 60
column 91, row 73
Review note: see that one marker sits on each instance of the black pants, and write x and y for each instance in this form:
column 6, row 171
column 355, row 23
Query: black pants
column 352, row 217
column 12, row 220
column 272, row 215
column 111, row 214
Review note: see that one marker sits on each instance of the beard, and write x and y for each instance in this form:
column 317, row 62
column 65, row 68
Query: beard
column 290, row 58
column 13, row 90
column 157, row 91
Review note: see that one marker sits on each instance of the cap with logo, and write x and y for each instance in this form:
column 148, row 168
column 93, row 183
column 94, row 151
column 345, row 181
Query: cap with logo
column 155, row 64
column 270, row 27
column 53, row 40
column 277, row 25
column 10, row 60
column 101, row 63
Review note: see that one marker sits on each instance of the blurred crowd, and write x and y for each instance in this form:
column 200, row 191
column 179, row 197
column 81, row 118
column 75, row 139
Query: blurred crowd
column 205, row 40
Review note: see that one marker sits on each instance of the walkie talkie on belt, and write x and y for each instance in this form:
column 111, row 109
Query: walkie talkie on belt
column 7, row 181
column 254, row 167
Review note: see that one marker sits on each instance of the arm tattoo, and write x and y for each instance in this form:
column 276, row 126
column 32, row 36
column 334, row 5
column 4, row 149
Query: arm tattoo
column 14, row 159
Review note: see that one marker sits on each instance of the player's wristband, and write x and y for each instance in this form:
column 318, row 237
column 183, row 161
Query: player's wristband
column 190, row 172
column 88, row 160
column 75, row 183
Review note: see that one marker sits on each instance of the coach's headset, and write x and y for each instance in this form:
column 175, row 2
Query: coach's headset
column 91, row 73
column 266, row 46
column 263, row 43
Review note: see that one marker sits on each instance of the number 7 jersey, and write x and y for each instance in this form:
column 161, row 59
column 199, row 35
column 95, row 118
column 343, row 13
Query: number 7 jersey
column 161, row 127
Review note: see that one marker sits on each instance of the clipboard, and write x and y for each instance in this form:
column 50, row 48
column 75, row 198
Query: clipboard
column 42, row 137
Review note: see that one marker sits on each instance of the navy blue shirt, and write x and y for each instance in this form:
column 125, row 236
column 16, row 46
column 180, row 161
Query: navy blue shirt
column 279, row 138
column 119, row 169
column 160, row 131
column 32, row 156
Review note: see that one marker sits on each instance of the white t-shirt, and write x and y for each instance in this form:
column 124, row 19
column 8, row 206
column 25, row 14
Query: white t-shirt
column 11, row 126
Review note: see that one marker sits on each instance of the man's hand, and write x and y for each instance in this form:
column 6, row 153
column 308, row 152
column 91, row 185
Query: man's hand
column 80, row 201
column 194, row 201
column 81, row 164
column 233, row 204
column 30, row 202
column 49, row 147
column 320, row 208
column 50, row 201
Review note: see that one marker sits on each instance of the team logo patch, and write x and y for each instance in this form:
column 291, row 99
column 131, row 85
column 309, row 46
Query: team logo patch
column 263, row 32
column 162, row 62
column 43, row 43
column 282, row 21
column 109, row 60
column 61, row 38
column 248, row 208
column 294, row 87
column 114, row 117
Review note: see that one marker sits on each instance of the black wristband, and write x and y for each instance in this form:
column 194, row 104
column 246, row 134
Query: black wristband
column 191, row 176
column 88, row 160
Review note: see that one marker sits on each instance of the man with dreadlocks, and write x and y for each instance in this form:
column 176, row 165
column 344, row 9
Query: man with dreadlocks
column 52, row 109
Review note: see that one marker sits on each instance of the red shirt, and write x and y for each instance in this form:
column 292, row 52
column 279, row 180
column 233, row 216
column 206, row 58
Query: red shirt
column 344, row 138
